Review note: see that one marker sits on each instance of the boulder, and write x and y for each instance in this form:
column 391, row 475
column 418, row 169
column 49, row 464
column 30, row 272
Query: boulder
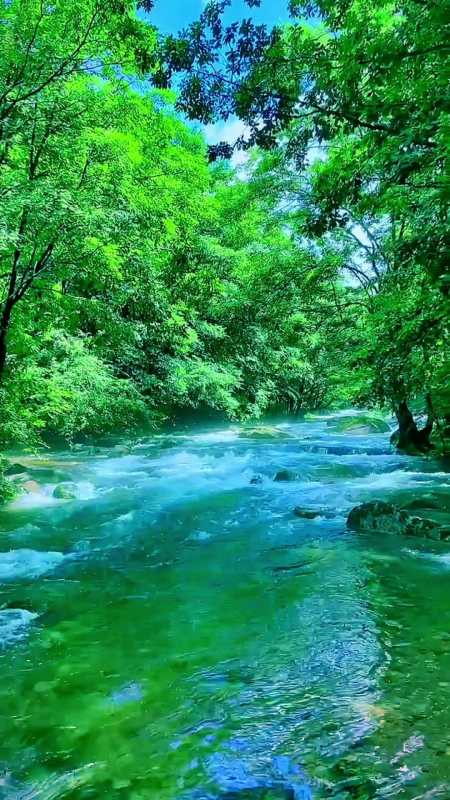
column 13, row 470
column 286, row 475
column 264, row 432
column 380, row 517
column 65, row 491
column 360, row 425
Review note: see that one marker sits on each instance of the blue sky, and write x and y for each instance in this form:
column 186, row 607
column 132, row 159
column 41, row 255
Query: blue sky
column 171, row 15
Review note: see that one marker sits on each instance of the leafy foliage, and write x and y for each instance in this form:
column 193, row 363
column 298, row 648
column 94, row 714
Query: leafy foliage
column 137, row 279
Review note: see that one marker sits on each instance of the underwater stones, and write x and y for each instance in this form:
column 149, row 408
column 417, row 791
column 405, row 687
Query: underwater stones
column 65, row 491
column 359, row 425
column 286, row 476
column 378, row 516
column 256, row 480
column 264, row 432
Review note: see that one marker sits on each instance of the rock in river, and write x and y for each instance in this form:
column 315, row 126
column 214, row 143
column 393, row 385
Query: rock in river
column 309, row 513
column 14, row 470
column 286, row 475
column 378, row 516
column 264, row 432
column 359, row 425
column 65, row 491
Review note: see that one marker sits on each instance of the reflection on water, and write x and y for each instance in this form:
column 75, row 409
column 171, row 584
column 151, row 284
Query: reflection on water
column 176, row 632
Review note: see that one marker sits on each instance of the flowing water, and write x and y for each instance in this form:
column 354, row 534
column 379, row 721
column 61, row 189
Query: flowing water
column 176, row 632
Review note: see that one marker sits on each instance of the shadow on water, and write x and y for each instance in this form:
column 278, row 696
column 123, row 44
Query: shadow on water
column 175, row 632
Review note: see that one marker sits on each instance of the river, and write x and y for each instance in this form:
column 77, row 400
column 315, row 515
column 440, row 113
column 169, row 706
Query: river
column 177, row 633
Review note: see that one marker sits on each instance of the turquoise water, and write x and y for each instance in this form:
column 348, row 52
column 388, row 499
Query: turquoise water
column 177, row 632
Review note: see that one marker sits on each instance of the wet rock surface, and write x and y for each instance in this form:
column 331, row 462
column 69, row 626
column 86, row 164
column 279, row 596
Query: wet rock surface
column 65, row 491
column 382, row 517
column 359, row 425
column 265, row 432
column 286, row 476
column 310, row 513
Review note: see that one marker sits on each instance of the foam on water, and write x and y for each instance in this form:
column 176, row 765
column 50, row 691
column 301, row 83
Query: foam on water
column 442, row 559
column 85, row 490
column 19, row 564
column 399, row 479
column 13, row 624
column 225, row 436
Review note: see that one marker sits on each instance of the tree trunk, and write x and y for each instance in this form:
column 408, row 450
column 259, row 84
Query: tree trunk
column 409, row 437
column 4, row 325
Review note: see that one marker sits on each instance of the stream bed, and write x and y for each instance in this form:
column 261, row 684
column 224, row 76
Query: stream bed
column 177, row 633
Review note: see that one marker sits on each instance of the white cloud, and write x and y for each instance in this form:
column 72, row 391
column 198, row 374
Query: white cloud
column 229, row 132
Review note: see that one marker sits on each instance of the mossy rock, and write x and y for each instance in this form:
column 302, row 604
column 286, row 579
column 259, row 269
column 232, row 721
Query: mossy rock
column 359, row 425
column 14, row 469
column 380, row 517
column 419, row 499
column 338, row 471
column 65, row 491
column 286, row 476
column 264, row 432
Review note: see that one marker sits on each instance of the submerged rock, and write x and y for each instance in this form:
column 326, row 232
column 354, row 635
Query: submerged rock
column 256, row 480
column 384, row 517
column 305, row 513
column 65, row 491
column 309, row 513
column 286, row 475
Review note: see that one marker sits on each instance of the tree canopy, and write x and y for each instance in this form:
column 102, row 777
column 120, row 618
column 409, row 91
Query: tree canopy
column 140, row 273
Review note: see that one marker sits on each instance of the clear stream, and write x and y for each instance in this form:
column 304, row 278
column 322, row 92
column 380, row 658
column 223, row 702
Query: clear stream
column 177, row 633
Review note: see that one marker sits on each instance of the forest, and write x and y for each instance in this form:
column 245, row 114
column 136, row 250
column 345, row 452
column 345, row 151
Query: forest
column 224, row 400
column 143, row 273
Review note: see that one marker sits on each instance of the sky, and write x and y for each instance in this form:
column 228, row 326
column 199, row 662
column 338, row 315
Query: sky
column 169, row 16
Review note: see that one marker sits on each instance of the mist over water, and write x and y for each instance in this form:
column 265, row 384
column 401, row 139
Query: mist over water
column 177, row 633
